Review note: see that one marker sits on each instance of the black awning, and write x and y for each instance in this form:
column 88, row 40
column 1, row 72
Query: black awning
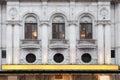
column 61, row 72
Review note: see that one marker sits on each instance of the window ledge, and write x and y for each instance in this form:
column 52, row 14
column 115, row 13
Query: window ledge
column 62, row 41
column 86, row 43
column 30, row 43
column 58, row 44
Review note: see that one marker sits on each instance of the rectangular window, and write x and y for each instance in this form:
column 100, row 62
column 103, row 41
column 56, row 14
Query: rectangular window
column 86, row 30
column 3, row 53
column 112, row 53
column 58, row 31
column 30, row 30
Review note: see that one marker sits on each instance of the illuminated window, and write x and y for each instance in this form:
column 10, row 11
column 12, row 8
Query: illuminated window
column 58, row 28
column 86, row 28
column 31, row 28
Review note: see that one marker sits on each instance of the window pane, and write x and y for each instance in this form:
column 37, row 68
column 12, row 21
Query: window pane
column 58, row 31
column 85, row 30
column 112, row 53
column 88, row 30
column 31, row 31
column 3, row 53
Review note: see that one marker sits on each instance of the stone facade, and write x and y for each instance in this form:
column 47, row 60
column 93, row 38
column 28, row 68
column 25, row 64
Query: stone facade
column 104, row 16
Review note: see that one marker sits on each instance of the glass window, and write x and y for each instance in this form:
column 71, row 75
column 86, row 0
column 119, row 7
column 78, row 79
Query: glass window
column 58, row 31
column 30, row 30
column 112, row 53
column 30, row 27
column 58, row 27
column 3, row 53
column 86, row 30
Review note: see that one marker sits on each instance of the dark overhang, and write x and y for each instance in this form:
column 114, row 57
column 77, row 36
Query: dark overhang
column 59, row 72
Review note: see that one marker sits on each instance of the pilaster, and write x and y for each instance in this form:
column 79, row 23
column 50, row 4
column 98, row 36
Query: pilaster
column 9, row 45
column 72, row 42
column 100, row 44
column 0, row 34
column 44, row 42
column 107, row 44
column 16, row 44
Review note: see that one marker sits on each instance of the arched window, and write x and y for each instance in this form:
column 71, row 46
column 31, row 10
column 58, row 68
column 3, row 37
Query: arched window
column 86, row 27
column 31, row 27
column 58, row 27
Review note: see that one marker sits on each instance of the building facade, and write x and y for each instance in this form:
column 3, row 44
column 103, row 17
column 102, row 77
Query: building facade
column 59, row 32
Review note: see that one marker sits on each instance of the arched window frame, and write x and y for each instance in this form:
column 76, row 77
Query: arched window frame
column 58, row 24
column 33, row 23
column 85, row 24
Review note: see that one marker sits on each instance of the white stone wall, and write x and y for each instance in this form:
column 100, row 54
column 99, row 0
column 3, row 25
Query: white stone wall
column 105, row 32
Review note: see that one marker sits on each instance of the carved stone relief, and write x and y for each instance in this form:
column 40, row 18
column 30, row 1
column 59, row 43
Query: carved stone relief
column 25, row 52
column 92, row 52
column 104, row 12
column 13, row 13
column 64, row 52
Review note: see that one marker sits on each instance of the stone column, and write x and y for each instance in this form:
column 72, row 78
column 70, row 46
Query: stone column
column 0, row 37
column 72, row 43
column 107, row 44
column 44, row 42
column 117, row 34
column 9, row 44
column 100, row 44
column 16, row 44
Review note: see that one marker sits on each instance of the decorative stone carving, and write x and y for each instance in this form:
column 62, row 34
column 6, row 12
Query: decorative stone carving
column 36, row 52
column 58, row 44
column 104, row 12
column 58, row 19
column 86, row 19
column 92, row 52
column 13, row 12
column 64, row 52
column 30, row 19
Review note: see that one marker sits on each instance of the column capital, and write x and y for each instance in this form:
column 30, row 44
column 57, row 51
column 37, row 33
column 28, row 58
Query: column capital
column 101, row 22
column 13, row 23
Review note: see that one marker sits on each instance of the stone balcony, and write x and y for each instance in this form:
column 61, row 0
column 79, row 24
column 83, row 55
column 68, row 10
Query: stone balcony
column 58, row 44
column 30, row 43
column 86, row 43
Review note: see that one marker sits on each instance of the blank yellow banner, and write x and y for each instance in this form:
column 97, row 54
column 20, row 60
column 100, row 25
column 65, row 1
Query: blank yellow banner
column 59, row 67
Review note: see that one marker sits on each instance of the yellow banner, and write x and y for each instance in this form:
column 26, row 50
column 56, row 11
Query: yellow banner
column 59, row 67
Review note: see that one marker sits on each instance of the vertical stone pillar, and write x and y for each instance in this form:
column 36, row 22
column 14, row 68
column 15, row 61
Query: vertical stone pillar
column 0, row 36
column 100, row 44
column 16, row 44
column 9, row 44
column 72, row 42
column 44, row 42
column 117, row 34
column 107, row 44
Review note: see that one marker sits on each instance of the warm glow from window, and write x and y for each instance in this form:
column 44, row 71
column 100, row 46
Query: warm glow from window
column 34, row 34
